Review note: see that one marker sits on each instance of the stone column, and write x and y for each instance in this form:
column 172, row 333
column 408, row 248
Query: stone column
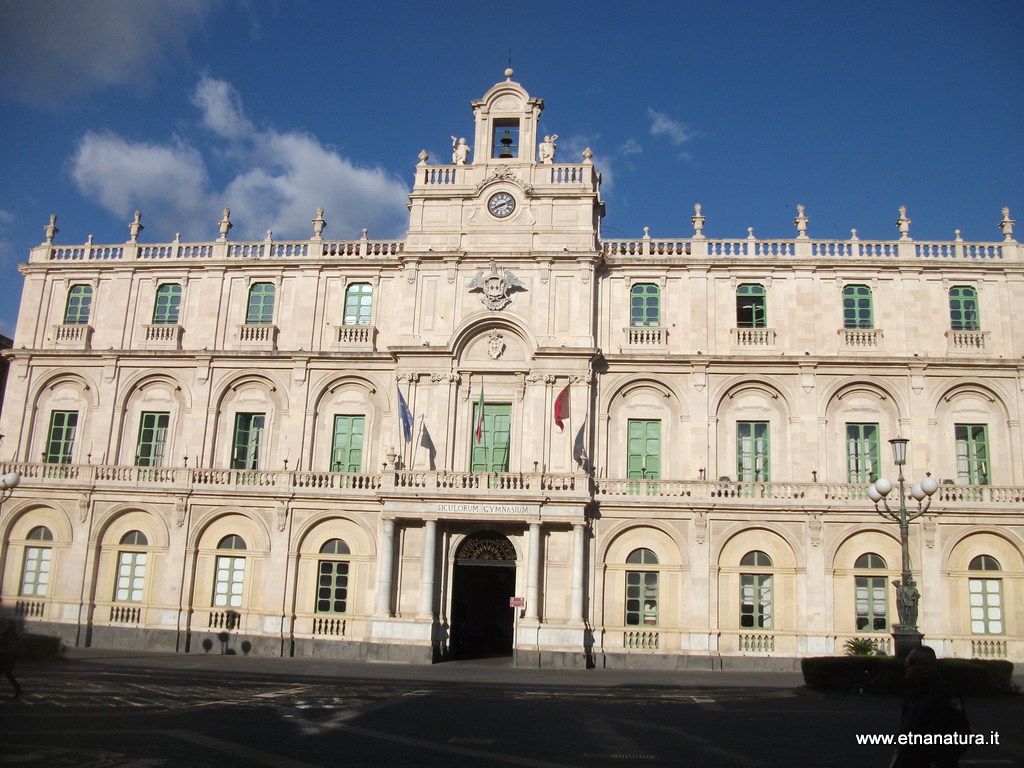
column 385, row 565
column 533, row 573
column 428, row 564
column 578, row 553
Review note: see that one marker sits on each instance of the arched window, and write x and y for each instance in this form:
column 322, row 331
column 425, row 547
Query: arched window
column 645, row 305
column 756, row 592
column 131, row 569
column 232, row 542
column 229, row 577
column 358, row 304
column 986, row 597
column 332, row 578
column 751, row 306
column 871, row 594
column 35, row 570
column 261, row 304
column 963, row 308
column 167, row 307
column 76, row 311
column 857, row 307
column 642, row 590
column 135, row 538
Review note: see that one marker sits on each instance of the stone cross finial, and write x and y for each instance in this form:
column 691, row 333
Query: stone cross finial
column 136, row 227
column 1006, row 225
column 51, row 229
column 698, row 222
column 903, row 223
column 318, row 224
column 801, row 223
column 225, row 224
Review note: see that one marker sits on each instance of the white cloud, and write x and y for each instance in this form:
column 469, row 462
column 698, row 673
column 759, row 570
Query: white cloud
column 676, row 132
column 631, row 147
column 60, row 50
column 276, row 180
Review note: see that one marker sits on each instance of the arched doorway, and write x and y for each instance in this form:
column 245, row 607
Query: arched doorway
column 483, row 582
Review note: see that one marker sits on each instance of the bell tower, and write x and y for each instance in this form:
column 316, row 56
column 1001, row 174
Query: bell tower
column 506, row 123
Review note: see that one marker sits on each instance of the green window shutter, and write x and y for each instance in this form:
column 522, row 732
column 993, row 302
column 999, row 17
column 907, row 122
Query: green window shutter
column 963, row 308
column 753, row 452
column 76, row 312
column 861, row 453
column 643, row 446
column 167, row 307
column 358, row 304
column 347, row 448
column 61, row 437
column 756, row 601
column 152, row 439
column 871, row 603
column 492, row 452
column 645, row 305
column 131, row 576
column 751, row 306
column 986, row 604
column 248, row 439
column 857, row 307
column 261, row 304
column 972, row 462
column 641, row 598
column 228, row 582
column 35, row 572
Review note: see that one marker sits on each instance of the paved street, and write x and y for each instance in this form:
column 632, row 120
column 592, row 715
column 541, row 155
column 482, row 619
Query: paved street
column 119, row 710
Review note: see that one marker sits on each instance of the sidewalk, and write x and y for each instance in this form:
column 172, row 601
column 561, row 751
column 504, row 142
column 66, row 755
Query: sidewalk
column 478, row 671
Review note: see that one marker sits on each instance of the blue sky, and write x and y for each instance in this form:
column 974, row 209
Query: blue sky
column 182, row 107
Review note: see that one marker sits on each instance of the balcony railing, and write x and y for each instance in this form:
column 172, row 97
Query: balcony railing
column 967, row 341
column 753, row 337
column 640, row 336
column 482, row 484
column 860, row 338
column 71, row 336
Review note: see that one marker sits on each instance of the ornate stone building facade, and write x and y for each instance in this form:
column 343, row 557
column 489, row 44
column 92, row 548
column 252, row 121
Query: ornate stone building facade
column 349, row 449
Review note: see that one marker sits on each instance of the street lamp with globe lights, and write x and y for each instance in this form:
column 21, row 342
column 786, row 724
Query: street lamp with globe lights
column 905, row 634
column 8, row 483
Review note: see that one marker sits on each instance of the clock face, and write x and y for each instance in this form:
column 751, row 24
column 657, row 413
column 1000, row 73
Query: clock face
column 501, row 204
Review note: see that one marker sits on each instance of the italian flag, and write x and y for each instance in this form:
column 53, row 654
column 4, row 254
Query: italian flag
column 562, row 408
column 479, row 433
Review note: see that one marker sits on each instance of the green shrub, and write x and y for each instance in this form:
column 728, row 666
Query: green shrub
column 860, row 646
column 885, row 675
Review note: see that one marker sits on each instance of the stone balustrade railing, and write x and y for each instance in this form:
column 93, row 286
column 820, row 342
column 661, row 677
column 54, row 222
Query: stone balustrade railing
column 719, row 492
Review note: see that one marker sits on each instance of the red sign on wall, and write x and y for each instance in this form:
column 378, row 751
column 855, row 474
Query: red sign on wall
column 517, row 602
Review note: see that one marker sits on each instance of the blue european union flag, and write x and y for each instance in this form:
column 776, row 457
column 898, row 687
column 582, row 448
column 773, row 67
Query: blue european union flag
column 406, row 416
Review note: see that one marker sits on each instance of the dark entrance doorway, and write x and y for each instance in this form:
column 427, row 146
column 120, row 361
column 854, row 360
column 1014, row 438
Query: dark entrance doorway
column 483, row 582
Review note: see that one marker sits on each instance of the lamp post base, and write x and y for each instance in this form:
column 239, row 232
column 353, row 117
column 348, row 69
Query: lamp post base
column 905, row 640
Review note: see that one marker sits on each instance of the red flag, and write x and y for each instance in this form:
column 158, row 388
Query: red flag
column 562, row 408
column 479, row 433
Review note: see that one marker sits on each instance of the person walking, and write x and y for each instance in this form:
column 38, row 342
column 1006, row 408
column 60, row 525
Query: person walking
column 932, row 711
column 10, row 644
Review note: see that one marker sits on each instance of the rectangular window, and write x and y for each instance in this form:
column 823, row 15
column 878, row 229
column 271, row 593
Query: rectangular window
column 35, row 573
column 752, row 452
column 644, row 309
column 751, row 311
column 332, row 587
column 131, row 575
column 168, row 304
column 228, row 581
column 261, row 304
column 152, row 439
column 245, row 452
column 870, row 596
column 857, row 312
column 986, row 606
column 963, row 308
column 358, row 304
column 861, row 453
column 641, row 598
column 79, row 303
column 756, row 600
column 490, row 454
column 347, row 448
column 972, row 466
column 61, row 437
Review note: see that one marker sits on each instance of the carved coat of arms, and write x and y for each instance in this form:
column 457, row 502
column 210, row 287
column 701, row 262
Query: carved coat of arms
column 496, row 286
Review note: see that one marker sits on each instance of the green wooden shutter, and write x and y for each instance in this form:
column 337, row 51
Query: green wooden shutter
column 152, row 439
column 347, row 449
column 752, row 452
column 861, row 453
column 644, row 449
column 491, row 453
